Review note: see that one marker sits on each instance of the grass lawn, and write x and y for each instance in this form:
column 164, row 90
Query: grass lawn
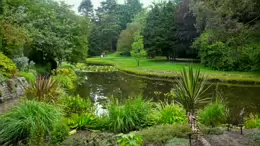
column 160, row 67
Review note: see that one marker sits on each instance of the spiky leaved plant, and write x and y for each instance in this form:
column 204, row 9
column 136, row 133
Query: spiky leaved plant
column 190, row 89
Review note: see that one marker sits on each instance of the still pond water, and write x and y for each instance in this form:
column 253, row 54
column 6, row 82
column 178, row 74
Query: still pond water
column 122, row 85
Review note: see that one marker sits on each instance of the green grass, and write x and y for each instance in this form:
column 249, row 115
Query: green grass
column 160, row 67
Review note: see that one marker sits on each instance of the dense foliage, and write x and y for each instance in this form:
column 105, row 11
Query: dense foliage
column 7, row 66
column 30, row 119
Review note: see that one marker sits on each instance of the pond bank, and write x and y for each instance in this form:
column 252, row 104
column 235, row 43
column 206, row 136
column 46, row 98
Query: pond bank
column 169, row 70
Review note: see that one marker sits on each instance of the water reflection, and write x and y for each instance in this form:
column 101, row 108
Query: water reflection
column 121, row 85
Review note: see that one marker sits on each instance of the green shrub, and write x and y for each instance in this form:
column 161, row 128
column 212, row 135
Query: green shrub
column 177, row 142
column 66, row 79
column 252, row 121
column 213, row 114
column 24, row 120
column 90, row 139
column 44, row 89
column 7, row 66
column 160, row 134
column 170, row 113
column 76, row 105
column 29, row 76
column 3, row 78
column 130, row 139
column 82, row 122
column 211, row 130
column 127, row 116
column 60, row 133
column 43, row 70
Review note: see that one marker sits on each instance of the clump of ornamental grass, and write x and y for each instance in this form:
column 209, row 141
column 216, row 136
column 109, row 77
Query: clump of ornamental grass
column 31, row 120
column 128, row 115
column 43, row 89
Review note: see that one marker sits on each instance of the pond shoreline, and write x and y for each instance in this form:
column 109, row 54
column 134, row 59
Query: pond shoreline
column 174, row 75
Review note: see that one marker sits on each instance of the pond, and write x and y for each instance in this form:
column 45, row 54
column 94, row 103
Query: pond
column 123, row 85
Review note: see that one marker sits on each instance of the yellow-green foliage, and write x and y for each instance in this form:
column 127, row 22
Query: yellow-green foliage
column 7, row 66
column 252, row 121
column 66, row 78
column 29, row 76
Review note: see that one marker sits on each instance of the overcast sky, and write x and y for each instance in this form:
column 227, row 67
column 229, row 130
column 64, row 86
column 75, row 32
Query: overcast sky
column 96, row 3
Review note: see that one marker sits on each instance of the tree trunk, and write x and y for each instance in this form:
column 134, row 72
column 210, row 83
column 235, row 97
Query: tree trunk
column 138, row 63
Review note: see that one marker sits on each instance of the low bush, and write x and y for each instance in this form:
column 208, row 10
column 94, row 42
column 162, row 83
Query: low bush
column 213, row 114
column 43, row 89
column 29, row 76
column 130, row 139
column 82, row 121
column 60, row 133
column 170, row 113
column 252, row 121
column 26, row 119
column 76, row 105
column 211, row 130
column 7, row 66
column 90, row 139
column 23, row 63
column 160, row 134
column 66, row 79
column 127, row 116
column 255, row 138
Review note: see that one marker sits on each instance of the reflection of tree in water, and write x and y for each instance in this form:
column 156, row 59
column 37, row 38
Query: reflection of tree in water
column 121, row 85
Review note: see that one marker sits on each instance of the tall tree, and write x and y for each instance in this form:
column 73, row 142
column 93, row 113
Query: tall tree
column 138, row 51
column 86, row 8
column 160, row 31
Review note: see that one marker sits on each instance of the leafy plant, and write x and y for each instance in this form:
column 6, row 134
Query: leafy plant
column 130, row 139
column 213, row 114
column 190, row 89
column 170, row 113
column 160, row 134
column 43, row 89
column 83, row 121
column 76, row 104
column 7, row 66
column 66, row 78
column 60, row 133
column 252, row 121
column 25, row 119
column 29, row 76
column 129, row 115
column 23, row 63
column 97, row 139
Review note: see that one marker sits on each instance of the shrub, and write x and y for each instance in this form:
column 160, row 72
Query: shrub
column 66, row 78
column 177, row 142
column 252, row 121
column 127, row 116
column 76, row 104
column 44, row 89
column 29, row 76
column 170, row 113
column 83, row 121
column 130, row 139
column 7, row 67
column 211, row 130
column 3, row 78
column 160, row 134
column 23, row 63
column 213, row 114
column 25, row 119
column 89, row 139
column 255, row 137
column 60, row 133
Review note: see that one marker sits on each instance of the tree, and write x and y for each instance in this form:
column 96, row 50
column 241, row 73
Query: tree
column 86, row 8
column 138, row 51
column 160, row 31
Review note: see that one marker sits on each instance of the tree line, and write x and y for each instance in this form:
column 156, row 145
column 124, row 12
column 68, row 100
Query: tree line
column 224, row 34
